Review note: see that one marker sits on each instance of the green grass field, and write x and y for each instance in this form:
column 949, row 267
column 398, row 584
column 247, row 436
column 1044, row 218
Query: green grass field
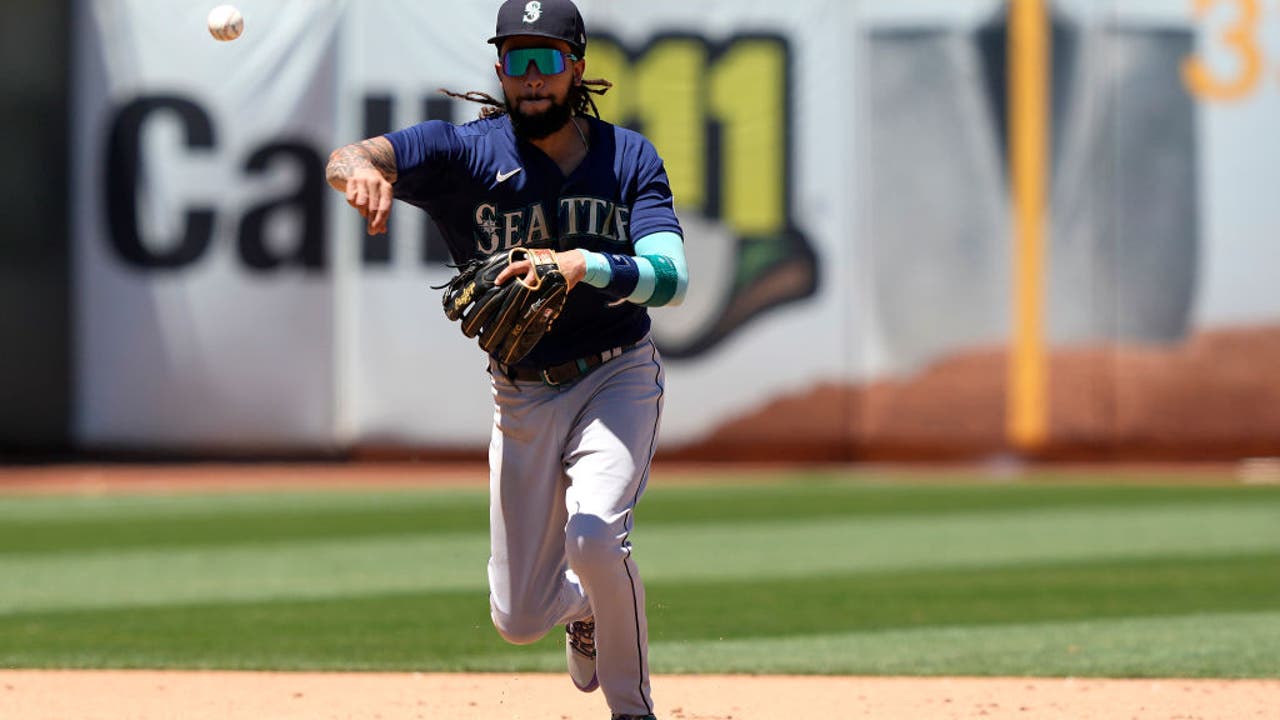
column 809, row 573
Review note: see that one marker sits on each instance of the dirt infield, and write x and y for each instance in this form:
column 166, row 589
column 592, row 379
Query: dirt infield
column 141, row 695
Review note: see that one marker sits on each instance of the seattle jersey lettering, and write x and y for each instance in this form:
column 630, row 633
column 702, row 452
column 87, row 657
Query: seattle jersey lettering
column 499, row 229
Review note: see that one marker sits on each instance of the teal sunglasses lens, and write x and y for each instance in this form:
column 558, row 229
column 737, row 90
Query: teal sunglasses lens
column 549, row 61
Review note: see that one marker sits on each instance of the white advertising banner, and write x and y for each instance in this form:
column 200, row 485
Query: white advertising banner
column 204, row 308
column 221, row 305
column 840, row 170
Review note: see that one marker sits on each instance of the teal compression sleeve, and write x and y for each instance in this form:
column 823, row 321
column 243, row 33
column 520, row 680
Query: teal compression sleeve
column 597, row 269
column 657, row 274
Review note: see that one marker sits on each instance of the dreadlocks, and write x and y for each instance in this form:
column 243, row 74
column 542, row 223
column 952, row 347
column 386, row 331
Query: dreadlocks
column 580, row 100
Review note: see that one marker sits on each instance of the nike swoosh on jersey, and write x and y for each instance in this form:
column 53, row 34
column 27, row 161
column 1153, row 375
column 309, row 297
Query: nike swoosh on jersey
column 503, row 176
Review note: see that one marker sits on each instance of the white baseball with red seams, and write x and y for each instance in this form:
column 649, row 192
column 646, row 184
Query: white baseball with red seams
column 225, row 23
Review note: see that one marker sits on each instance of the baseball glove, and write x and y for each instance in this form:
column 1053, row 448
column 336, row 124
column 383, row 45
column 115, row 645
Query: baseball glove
column 512, row 317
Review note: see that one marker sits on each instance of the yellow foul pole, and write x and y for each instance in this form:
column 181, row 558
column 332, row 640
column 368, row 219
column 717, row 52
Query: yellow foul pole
column 1027, row 423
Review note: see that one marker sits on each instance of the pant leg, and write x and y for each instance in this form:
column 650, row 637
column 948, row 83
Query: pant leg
column 607, row 458
column 530, row 588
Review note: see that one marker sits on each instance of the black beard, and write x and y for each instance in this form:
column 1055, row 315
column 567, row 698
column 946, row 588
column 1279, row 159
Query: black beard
column 543, row 124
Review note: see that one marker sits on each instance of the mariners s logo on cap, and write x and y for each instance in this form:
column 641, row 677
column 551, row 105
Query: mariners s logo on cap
column 558, row 19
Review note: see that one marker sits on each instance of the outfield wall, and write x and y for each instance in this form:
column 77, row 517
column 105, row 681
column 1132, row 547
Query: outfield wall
column 841, row 172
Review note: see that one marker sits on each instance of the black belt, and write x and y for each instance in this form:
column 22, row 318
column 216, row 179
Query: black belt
column 566, row 373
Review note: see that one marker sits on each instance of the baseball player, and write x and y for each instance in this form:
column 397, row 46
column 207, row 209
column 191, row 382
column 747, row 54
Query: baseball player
column 576, row 419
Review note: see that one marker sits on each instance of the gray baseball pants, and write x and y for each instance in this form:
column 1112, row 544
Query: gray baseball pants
column 567, row 466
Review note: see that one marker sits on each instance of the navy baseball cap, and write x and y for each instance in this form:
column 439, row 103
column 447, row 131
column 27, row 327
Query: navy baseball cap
column 557, row 19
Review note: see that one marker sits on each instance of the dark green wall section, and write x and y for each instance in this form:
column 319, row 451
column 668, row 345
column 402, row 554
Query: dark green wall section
column 35, row 259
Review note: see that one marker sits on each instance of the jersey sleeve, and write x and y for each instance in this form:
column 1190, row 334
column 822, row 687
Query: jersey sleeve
column 652, row 210
column 424, row 154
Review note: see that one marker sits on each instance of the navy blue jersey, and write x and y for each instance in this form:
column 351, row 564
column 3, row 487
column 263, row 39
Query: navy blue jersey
column 489, row 192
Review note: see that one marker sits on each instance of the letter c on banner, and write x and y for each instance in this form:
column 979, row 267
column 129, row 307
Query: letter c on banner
column 122, row 175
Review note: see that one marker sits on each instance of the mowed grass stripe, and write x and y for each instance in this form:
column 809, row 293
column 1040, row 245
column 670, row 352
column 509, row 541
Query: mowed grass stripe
column 451, row 630
column 386, row 632
column 244, row 572
column 836, row 495
column 68, row 524
column 1212, row 645
column 807, row 549
column 798, row 551
column 113, row 523
column 76, row 508
column 1114, row 588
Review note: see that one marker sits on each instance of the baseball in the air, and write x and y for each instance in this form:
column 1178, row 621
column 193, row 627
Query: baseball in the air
column 225, row 23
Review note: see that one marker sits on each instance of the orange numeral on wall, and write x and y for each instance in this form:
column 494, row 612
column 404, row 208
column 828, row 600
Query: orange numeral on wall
column 1241, row 37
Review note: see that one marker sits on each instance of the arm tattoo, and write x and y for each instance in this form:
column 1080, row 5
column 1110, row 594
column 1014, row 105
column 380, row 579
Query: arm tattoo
column 374, row 153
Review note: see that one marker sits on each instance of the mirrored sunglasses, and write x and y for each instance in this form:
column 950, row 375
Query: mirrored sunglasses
column 549, row 61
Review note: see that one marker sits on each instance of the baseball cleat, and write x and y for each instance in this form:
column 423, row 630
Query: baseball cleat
column 634, row 717
column 580, row 651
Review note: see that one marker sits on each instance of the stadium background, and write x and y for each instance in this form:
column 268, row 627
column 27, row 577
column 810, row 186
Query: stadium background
column 178, row 281
column 953, row 229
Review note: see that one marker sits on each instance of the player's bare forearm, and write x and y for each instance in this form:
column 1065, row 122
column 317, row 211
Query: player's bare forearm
column 374, row 154
column 364, row 172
